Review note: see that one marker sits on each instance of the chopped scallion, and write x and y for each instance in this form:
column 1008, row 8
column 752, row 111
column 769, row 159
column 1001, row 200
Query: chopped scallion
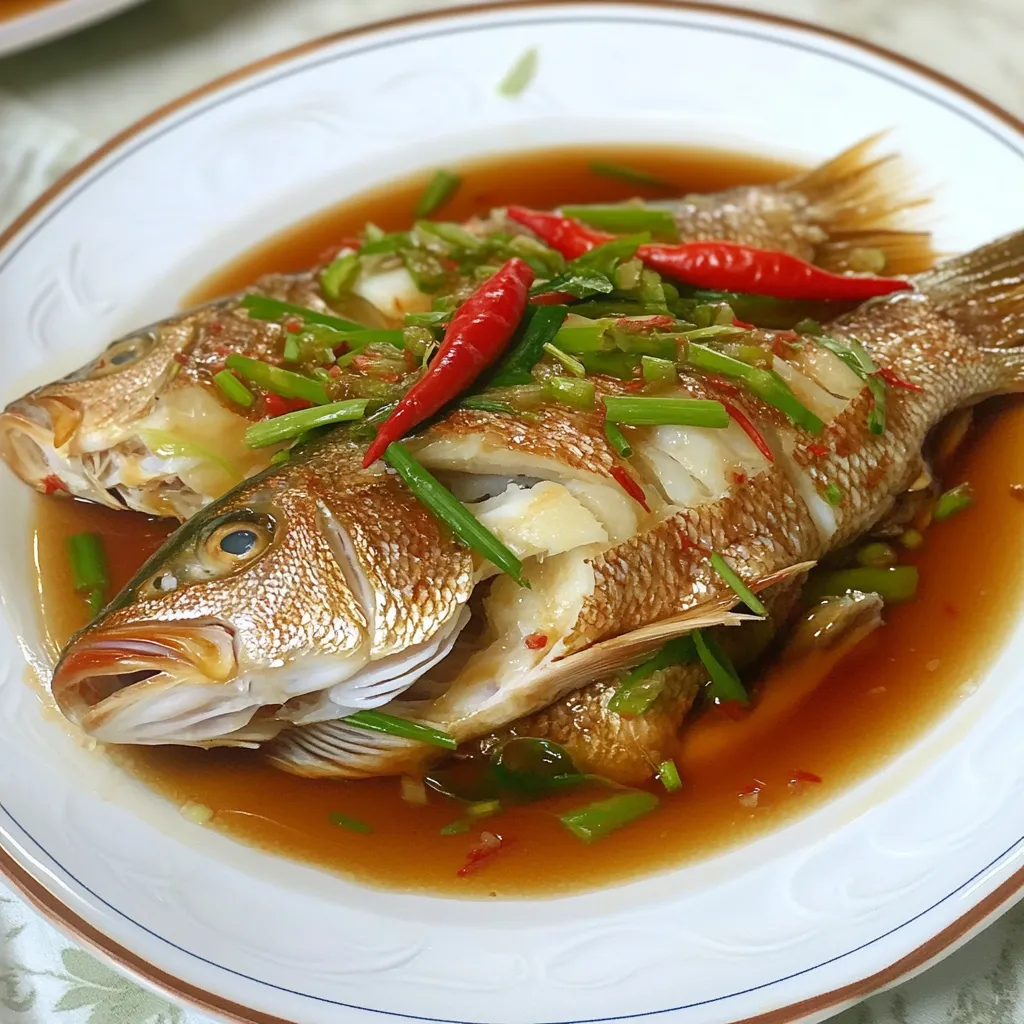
column 377, row 721
column 596, row 820
column 446, row 507
column 292, row 352
column 233, row 389
column 456, row 828
column 442, row 186
column 339, row 275
column 262, row 307
column 739, row 588
column 668, row 774
column 352, row 824
column 573, row 365
column 571, row 391
column 642, row 411
column 642, row 686
column 617, row 440
column 517, row 365
column 291, row 424
column 483, row 808
column 898, row 583
column 952, row 501
column 519, row 75
column 280, row 382
column 725, row 681
column 626, row 218
column 89, row 573
column 481, row 404
column 658, row 370
column 833, row 494
column 624, row 173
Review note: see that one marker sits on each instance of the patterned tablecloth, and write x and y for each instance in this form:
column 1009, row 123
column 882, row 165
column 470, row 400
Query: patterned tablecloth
column 57, row 102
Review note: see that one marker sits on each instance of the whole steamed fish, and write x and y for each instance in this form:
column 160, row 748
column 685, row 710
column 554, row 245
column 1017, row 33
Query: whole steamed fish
column 318, row 589
column 144, row 427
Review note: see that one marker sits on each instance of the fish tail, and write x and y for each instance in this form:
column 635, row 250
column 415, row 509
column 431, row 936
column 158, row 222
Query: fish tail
column 983, row 292
column 860, row 201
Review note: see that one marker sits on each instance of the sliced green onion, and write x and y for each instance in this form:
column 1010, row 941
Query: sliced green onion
column 483, row 808
column 668, row 774
column 626, row 219
column 352, row 824
column 292, row 353
column 833, row 494
column 377, row 721
column 711, row 331
column 641, row 686
column 456, row 828
column 643, row 411
column 89, row 573
column 261, row 307
column 533, row 767
column 739, row 588
column 446, row 507
column 291, row 424
column 582, row 340
column 519, row 76
column 443, row 185
column 658, row 370
column 611, row 364
column 339, row 275
column 431, row 318
column 953, row 501
column 571, row 391
column 597, row 820
column 479, row 403
column 725, row 680
column 281, row 382
column 898, row 583
column 279, row 457
column 877, row 555
column 233, row 389
column 365, row 336
column 911, row 539
column 170, row 446
column 517, row 365
column 617, row 440
column 573, row 365
column 624, row 173
column 383, row 245
column 768, row 386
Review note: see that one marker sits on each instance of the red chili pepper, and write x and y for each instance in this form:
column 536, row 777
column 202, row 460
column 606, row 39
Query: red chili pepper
column 536, row 641
column 278, row 405
column 819, row 451
column 716, row 265
column 750, row 430
column 563, row 234
column 293, row 325
column 893, row 379
column 630, row 486
column 478, row 333
column 52, row 484
column 490, row 844
column 742, row 324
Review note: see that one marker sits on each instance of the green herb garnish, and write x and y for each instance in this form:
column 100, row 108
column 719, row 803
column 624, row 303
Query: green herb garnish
column 626, row 218
column 597, row 820
column 612, row 170
column 442, row 186
column 725, row 681
column 89, row 574
column 517, row 365
column 641, row 411
column 519, row 75
column 668, row 775
column 352, row 824
column 233, row 389
column 739, row 588
column 617, row 440
column 261, row 307
column 291, row 424
column 339, row 275
column 377, row 721
column 280, row 382
column 641, row 686
column 571, row 391
column 446, row 507
column 952, row 501
column 895, row 584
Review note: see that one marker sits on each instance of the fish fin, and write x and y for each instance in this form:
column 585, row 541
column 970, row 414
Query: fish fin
column 983, row 292
column 860, row 200
column 339, row 750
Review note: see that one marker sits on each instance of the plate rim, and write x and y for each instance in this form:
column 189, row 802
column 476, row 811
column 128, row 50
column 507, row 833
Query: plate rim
column 62, row 917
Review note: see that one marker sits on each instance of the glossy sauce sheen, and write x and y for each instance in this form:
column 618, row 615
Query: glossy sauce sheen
column 837, row 722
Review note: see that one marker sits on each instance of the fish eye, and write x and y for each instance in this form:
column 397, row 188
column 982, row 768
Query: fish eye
column 122, row 354
column 236, row 542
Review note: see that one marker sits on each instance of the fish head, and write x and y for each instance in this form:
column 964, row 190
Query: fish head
column 45, row 434
column 202, row 646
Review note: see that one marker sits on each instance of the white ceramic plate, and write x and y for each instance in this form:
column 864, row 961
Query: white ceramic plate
column 866, row 890
column 54, row 19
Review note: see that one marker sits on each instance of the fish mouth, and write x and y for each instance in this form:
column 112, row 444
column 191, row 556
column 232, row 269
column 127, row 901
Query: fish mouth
column 106, row 681
column 32, row 432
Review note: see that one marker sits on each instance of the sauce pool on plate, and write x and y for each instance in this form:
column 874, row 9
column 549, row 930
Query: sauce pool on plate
column 813, row 720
